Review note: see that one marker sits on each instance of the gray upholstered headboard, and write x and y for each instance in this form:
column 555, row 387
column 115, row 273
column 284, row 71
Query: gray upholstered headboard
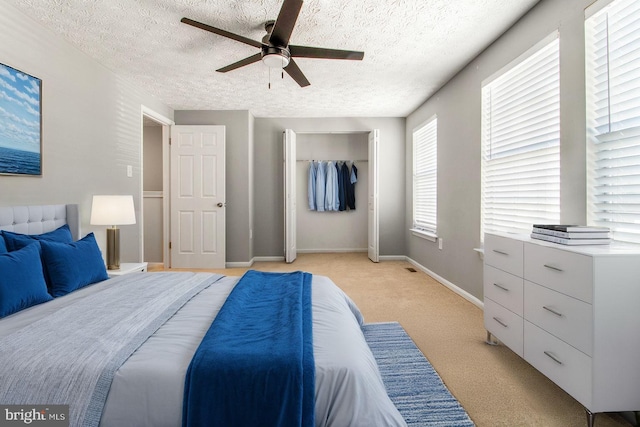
column 40, row 219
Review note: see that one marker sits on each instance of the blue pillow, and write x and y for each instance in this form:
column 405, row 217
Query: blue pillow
column 71, row 266
column 15, row 241
column 3, row 246
column 21, row 281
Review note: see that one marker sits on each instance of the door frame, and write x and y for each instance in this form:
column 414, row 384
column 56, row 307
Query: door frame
column 373, row 208
column 166, row 181
column 290, row 196
column 373, row 248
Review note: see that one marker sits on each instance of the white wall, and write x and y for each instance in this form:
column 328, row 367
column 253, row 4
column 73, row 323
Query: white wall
column 342, row 231
column 458, row 108
column 92, row 127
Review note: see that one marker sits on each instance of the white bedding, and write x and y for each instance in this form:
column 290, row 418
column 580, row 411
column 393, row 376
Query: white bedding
column 148, row 388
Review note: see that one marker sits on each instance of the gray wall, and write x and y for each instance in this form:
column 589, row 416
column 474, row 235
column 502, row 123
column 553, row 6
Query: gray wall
column 269, row 199
column 152, row 158
column 92, row 127
column 153, row 193
column 458, row 108
column 238, row 175
column 323, row 231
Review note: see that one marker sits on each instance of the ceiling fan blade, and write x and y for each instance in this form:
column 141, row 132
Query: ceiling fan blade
column 296, row 74
column 220, row 32
column 242, row 63
column 285, row 22
column 319, row 52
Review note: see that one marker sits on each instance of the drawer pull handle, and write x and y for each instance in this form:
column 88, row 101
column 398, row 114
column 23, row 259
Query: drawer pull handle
column 501, row 322
column 501, row 287
column 551, row 310
column 553, row 268
column 552, row 357
column 500, row 252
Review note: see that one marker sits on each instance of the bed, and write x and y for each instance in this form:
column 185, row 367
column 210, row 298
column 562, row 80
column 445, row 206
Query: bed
column 168, row 316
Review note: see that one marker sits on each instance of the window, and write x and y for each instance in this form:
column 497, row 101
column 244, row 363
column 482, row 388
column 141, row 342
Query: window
column 612, row 40
column 521, row 142
column 425, row 177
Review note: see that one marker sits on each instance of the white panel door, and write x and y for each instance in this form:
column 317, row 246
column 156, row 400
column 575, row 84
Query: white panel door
column 197, row 197
column 289, row 149
column 373, row 238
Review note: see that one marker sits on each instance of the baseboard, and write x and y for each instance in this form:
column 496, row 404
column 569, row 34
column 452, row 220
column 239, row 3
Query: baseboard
column 392, row 258
column 330, row 251
column 243, row 264
column 155, row 264
column 246, row 264
column 464, row 294
column 267, row 259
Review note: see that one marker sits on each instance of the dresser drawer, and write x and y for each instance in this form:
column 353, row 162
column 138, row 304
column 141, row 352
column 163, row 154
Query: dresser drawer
column 504, row 325
column 566, row 272
column 567, row 318
column 564, row 365
column 504, row 253
column 503, row 288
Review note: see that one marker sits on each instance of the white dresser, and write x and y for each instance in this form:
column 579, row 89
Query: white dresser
column 573, row 312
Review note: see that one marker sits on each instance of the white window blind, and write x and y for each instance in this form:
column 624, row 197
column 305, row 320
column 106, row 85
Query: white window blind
column 612, row 40
column 425, row 177
column 521, row 144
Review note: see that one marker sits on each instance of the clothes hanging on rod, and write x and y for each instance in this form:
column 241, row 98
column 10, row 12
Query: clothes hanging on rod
column 351, row 187
column 330, row 186
column 311, row 185
column 321, row 172
column 331, row 200
column 343, row 182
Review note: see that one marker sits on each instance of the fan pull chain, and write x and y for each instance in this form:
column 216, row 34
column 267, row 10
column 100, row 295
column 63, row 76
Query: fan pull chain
column 269, row 77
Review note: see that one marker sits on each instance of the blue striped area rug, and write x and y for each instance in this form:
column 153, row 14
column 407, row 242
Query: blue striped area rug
column 412, row 384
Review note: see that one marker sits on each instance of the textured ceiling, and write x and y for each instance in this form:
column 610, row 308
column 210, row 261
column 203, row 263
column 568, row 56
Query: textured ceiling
column 411, row 48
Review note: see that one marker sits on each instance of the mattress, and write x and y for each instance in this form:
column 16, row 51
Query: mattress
column 148, row 388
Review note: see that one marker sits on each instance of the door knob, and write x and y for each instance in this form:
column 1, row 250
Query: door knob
column 220, row 204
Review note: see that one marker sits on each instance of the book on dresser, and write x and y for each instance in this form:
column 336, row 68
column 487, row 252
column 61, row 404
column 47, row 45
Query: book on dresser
column 571, row 234
column 572, row 228
column 571, row 241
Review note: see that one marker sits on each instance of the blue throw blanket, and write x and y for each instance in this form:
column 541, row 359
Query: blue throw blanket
column 255, row 365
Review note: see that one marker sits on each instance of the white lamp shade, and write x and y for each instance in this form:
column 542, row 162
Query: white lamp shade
column 112, row 210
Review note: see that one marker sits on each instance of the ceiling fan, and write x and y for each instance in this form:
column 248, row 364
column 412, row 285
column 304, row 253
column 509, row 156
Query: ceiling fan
column 275, row 50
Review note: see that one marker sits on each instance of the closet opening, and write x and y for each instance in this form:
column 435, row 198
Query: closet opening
column 310, row 230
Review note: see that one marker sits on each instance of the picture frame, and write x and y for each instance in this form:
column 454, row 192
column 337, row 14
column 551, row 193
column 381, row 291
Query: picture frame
column 20, row 122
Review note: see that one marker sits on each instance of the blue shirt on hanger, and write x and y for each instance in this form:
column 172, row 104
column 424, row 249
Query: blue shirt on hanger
column 311, row 186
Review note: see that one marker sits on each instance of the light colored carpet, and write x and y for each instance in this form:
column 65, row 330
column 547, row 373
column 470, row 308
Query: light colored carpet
column 493, row 384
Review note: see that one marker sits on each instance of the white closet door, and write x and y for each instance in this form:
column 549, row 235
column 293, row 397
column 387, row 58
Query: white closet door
column 373, row 249
column 290, row 249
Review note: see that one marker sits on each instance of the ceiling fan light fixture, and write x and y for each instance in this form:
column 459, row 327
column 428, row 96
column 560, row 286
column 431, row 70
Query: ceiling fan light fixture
column 275, row 57
column 275, row 60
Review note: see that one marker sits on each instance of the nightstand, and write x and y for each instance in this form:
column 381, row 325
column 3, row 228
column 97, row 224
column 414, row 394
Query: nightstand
column 128, row 267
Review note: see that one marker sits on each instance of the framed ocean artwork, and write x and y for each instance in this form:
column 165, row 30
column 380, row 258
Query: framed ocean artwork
column 20, row 123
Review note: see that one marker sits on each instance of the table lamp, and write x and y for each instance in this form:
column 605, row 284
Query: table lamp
column 113, row 211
